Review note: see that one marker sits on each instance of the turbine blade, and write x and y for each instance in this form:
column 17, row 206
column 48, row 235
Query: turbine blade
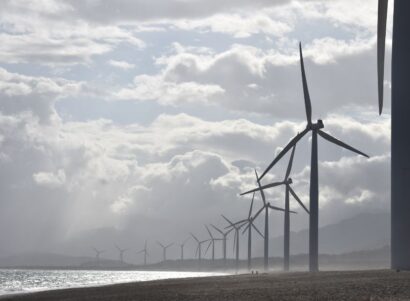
column 293, row 193
column 256, row 229
column 340, row 143
column 284, row 151
column 210, row 234
column 246, row 228
column 381, row 47
column 271, row 185
column 240, row 222
column 169, row 245
column 210, row 243
column 227, row 219
column 194, row 237
column 277, row 208
column 290, row 163
column 250, row 209
column 160, row 244
column 308, row 105
column 260, row 188
column 229, row 231
column 217, row 229
column 260, row 210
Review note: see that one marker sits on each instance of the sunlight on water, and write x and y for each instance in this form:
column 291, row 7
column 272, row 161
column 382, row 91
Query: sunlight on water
column 20, row 281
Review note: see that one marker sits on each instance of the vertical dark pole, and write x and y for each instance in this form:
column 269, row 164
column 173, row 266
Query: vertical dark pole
column 314, row 208
column 400, row 150
column 286, row 242
column 249, row 246
column 224, row 249
column 213, row 250
column 237, row 250
column 266, row 240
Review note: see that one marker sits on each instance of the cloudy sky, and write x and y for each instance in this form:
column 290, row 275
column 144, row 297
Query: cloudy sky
column 147, row 118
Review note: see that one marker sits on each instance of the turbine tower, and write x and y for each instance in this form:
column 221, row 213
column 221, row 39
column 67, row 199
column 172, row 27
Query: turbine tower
column 145, row 251
column 164, row 250
column 224, row 237
column 287, row 182
column 249, row 225
column 316, row 129
column 212, row 242
column 236, row 226
column 182, row 248
column 400, row 139
column 122, row 251
column 199, row 247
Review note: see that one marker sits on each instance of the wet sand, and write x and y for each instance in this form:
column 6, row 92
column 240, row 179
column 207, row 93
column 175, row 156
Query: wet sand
column 357, row 285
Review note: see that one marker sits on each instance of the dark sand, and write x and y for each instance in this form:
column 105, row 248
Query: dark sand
column 358, row 285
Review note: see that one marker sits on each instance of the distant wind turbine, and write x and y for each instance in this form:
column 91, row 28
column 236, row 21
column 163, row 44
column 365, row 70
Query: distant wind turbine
column 164, row 250
column 182, row 245
column 316, row 129
column 198, row 251
column 266, row 206
column 287, row 182
column 236, row 226
column 145, row 251
column 224, row 238
column 122, row 251
column 97, row 254
column 212, row 242
column 249, row 226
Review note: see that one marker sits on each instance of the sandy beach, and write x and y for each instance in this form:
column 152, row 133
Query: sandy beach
column 357, row 285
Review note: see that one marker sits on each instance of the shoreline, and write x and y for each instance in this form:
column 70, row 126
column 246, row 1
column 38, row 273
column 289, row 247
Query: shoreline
column 336, row 285
column 35, row 291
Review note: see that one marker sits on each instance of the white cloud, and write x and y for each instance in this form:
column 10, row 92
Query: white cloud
column 121, row 64
column 169, row 93
column 49, row 179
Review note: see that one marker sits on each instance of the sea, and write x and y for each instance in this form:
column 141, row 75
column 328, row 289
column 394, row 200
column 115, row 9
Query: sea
column 16, row 281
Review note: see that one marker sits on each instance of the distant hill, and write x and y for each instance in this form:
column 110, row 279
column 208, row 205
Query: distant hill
column 363, row 232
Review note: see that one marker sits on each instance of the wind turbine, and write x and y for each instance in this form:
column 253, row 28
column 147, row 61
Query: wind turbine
column 287, row 182
column 266, row 206
column 199, row 247
column 400, row 139
column 164, row 250
column 182, row 248
column 145, row 251
column 249, row 226
column 224, row 237
column 236, row 226
column 212, row 242
column 97, row 254
column 316, row 129
column 122, row 251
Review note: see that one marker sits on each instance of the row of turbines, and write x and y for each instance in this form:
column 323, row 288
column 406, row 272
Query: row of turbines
column 400, row 204
column 247, row 224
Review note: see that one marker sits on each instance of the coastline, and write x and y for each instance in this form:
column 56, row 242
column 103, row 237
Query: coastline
column 346, row 285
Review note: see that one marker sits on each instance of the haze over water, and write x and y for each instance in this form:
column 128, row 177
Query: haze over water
column 25, row 281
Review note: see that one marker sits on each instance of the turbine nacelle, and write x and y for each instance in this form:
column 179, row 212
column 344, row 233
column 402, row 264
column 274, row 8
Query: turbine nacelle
column 289, row 181
column 316, row 126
